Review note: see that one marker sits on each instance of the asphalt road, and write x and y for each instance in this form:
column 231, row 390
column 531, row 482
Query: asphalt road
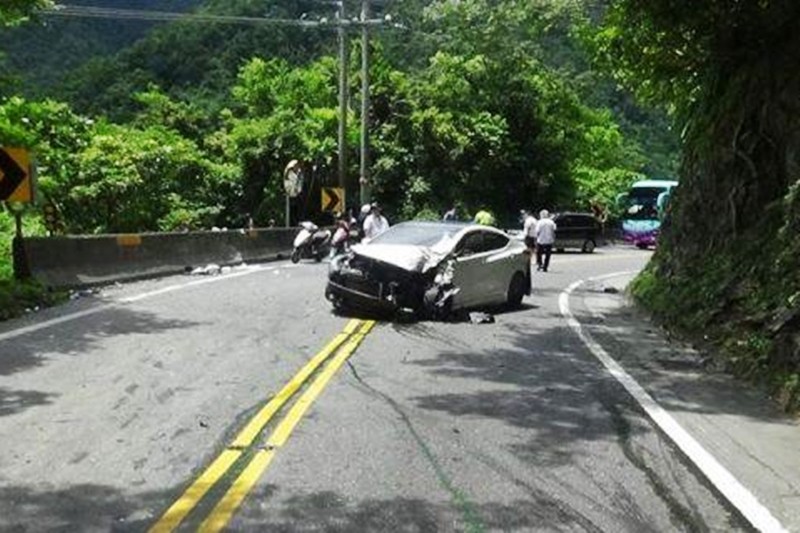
column 108, row 415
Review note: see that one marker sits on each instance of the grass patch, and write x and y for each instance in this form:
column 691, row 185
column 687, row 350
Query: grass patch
column 16, row 297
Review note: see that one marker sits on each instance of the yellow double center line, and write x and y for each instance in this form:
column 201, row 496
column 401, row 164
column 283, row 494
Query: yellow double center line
column 343, row 346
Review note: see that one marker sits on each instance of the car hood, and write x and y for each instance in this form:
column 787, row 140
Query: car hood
column 406, row 256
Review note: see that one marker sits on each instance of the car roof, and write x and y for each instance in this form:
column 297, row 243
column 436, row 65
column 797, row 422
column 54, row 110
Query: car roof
column 431, row 224
column 574, row 213
column 462, row 227
column 654, row 183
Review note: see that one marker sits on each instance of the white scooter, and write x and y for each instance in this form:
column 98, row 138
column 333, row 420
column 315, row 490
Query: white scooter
column 311, row 242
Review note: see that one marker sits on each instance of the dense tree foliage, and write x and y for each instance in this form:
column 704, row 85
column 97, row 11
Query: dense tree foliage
column 15, row 11
column 727, row 265
column 479, row 117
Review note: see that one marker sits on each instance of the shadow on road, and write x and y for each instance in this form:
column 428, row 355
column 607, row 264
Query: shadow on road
column 15, row 401
column 678, row 376
column 84, row 507
column 333, row 512
column 549, row 387
column 77, row 337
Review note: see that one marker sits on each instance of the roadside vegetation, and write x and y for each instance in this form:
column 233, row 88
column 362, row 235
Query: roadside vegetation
column 493, row 106
column 726, row 271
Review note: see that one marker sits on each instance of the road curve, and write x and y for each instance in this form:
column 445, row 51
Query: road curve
column 108, row 417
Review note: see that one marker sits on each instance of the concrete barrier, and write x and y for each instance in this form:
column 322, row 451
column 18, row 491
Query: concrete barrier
column 78, row 261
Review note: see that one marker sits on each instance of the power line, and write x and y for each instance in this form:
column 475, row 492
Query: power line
column 65, row 10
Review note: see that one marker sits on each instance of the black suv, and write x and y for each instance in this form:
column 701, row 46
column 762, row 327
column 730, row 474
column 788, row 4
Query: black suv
column 577, row 230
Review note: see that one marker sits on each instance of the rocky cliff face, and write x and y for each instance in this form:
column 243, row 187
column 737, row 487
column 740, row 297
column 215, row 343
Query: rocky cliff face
column 728, row 266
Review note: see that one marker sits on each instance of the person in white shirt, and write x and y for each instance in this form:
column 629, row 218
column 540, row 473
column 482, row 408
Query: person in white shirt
column 375, row 223
column 529, row 230
column 545, row 237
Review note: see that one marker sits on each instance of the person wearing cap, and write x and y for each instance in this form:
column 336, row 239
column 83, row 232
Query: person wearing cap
column 545, row 238
column 375, row 223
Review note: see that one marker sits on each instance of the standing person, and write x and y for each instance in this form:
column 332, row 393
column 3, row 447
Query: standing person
column 341, row 237
column 450, row 215
column 599, row 212
column 529, row 230
column 375, row 223
column 362, row 217
column 545, row 237
column 484, row 218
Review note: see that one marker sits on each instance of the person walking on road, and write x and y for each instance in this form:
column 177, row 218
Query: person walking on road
column 529, row 230
column 375, row 223
column 450, row 215
column 545, row 237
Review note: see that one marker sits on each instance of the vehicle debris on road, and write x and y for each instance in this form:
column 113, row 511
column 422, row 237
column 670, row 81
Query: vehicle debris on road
column 477, row 317
column 211, row 269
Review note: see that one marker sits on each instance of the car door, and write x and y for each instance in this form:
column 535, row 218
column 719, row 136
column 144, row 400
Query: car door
column 565, row 232
column 588, row 228
column 499, row 266
column 468, row 270
column 483, row 269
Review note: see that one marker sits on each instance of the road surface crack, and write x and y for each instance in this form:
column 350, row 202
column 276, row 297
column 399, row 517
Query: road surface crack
column 470, row 514
column 680, row 514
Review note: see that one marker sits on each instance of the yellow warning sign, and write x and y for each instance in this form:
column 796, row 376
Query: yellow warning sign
column 333, row 199
column 16, row 176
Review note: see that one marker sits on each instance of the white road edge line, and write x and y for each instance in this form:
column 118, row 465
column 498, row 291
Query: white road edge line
column 737, row 494
column 131, row 299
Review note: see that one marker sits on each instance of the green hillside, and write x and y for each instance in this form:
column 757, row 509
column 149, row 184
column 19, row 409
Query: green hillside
column 40, row 53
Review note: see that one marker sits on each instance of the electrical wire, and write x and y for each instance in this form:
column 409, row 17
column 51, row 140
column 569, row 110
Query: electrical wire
column 64, row 10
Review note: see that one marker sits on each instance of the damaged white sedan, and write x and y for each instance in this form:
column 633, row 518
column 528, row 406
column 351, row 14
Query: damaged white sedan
column 431, row 270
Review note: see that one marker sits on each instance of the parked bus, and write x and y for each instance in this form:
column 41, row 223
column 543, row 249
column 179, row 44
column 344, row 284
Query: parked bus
column 642, row 207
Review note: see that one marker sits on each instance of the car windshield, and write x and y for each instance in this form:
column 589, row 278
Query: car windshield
column 418, row 234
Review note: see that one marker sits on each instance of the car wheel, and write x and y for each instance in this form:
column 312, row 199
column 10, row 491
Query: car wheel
column 641, row 246
column 516, row 290
column 295, row 255
column 588, row 246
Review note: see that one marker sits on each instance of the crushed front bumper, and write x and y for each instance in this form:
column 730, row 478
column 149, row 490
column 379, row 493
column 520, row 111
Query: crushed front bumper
column 375, row 299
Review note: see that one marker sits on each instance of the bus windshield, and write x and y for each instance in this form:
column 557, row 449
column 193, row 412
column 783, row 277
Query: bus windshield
column 642, row 203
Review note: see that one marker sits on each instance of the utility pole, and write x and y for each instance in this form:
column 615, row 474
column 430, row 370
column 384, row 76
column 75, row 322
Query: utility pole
column 366, row 192
column 343, row 96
